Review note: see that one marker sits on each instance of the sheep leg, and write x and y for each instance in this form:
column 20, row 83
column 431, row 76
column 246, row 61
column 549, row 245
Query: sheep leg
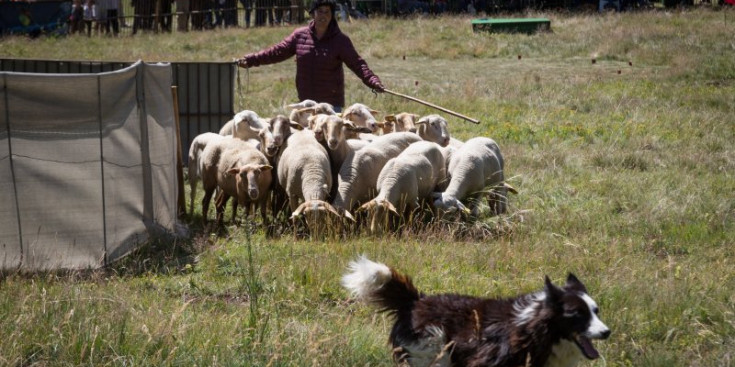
column 263, row 204
column 192, row 194
column 234, row 210
column 205, row 204
column 220, row 204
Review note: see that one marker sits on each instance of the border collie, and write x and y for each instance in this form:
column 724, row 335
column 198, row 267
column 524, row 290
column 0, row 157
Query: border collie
column 551, row 327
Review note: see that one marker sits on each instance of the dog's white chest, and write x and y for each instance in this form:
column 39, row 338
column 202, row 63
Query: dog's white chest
column 564, row 354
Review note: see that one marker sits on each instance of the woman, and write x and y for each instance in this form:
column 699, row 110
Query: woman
column 320, row 48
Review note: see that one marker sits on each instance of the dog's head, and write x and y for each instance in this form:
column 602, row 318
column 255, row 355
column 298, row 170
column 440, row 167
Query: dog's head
column 576, row 315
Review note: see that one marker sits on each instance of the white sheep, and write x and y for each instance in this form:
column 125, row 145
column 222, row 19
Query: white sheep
column 362, row 116
column 475, row 166
column 405, row 181
column 245, row 125
column 305, row 174
column 245, row 174
column 403, row 121
column 332, row 131
column 195, row 153
column 433, row 128
column 357, row 178
column 282, row 128
column 209, row 163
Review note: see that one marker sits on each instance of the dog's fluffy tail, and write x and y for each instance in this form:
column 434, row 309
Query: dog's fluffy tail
column 380, row 285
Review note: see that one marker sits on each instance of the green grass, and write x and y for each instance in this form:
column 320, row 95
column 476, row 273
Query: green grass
column 626, row 173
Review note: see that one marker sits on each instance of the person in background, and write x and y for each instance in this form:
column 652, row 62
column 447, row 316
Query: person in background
column 90, row 17
column 143, row 19
column 164, row 14
column 262, row 10
column 111, row 13
column 248, row 6
column 321, row 49
column 76, row 19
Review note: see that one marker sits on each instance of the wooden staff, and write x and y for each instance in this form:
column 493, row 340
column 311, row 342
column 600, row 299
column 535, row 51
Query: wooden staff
column 474, row 121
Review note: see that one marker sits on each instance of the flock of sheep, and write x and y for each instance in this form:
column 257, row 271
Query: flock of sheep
column 329, row 168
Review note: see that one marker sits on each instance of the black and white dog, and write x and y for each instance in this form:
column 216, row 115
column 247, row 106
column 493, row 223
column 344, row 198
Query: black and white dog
column 552, row 327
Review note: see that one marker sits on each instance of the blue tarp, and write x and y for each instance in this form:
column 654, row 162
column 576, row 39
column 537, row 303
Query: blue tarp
column 34, row 17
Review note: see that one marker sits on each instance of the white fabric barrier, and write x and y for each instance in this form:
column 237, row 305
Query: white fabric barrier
column 87, row 166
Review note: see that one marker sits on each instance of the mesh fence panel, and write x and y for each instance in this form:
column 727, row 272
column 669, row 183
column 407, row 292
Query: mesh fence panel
column 87, row 166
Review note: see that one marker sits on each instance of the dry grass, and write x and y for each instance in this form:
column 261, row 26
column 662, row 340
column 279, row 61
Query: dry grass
column 625, row 179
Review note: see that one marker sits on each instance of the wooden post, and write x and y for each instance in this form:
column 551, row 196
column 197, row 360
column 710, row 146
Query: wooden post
column 181, row 200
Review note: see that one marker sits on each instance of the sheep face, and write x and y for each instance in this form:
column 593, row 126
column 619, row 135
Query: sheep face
column 267, row 142
column 361, row 115
column 333, row 131
column 281, row 129
column 328, row 129
column 434, row 128
column 316, row 124
column 250, row 179
column 406, row 122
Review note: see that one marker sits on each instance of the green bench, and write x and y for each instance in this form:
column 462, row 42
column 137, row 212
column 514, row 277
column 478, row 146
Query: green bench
column 520, row 25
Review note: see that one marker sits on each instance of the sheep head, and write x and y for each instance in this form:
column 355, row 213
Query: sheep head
column 448, row 204
column 361, row 115
column 268, row 144
column 378, row 209
column 246, row 119
column 249, row 179
column 406, row 122
column 433, row 128
column 281, row 129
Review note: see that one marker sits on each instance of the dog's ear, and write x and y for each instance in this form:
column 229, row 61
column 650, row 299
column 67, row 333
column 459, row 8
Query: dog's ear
column 553, row 293
column 575, row 284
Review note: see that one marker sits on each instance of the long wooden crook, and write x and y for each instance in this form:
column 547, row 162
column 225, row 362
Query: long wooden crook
column 440, row 108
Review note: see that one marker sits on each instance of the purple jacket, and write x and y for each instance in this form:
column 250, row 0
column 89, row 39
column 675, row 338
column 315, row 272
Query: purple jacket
column 319, row 72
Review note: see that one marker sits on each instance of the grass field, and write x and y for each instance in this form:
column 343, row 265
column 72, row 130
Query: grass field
column 625, row 168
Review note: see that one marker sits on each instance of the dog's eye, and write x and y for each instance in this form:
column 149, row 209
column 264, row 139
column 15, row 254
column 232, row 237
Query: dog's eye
column 596, row 311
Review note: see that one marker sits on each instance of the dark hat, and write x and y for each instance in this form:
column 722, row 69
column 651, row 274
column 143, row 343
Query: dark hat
column 332, row 4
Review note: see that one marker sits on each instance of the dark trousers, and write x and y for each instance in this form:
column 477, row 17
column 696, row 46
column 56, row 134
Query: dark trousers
column 112, row 21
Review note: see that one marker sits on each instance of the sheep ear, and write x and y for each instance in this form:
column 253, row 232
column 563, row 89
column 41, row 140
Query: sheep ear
column 312, row 121
column 266, row 167
column 311, row 110
column 364, row 207
column 422, row 121
column 331, row 209
column 233, row 171
column 392, row 208
column 374, row 112
column 463, row 208
column 349, row 216
column 390, row 118
column 295, row 125
column 510, row 188
column 363, row 130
